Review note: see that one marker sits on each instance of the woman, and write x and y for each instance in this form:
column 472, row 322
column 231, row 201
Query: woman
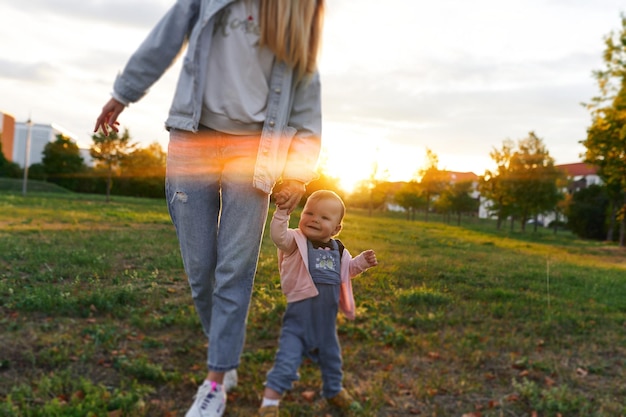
column 246, row 115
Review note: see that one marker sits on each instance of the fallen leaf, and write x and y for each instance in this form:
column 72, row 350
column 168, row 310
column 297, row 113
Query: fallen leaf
column 581, row 372
column 308, row 395
column 524, row 373
column 115, row 413
column 549, row 381
column 434, row 355
column 390, row 402
column 414, row 411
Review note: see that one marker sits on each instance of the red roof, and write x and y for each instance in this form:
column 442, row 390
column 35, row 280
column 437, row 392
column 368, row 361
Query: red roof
column 462, row 176
column 578, row 169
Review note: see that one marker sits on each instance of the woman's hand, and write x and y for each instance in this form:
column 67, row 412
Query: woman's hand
column 289, row 195
column 108, row 117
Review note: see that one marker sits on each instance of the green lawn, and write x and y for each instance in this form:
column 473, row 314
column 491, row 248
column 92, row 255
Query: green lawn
column 96, row 318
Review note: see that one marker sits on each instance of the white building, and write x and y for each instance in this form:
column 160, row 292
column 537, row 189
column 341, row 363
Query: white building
column 40, row 135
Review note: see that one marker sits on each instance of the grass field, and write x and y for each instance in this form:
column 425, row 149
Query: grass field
column 96, row 318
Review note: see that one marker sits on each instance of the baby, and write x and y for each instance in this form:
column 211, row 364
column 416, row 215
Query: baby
column 315, row 275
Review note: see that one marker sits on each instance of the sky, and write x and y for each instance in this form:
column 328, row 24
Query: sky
column 456, row 77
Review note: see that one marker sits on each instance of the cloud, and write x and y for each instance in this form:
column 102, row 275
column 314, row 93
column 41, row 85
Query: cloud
column 136, row 13
column 38, row 72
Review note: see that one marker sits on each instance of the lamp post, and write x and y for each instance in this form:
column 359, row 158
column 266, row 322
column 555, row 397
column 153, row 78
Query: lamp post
column 29, row 126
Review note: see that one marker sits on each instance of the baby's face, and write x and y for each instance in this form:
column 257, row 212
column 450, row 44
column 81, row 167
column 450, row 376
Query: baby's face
column 321, row 219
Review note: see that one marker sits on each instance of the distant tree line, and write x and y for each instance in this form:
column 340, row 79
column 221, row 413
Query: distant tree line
column 524, row 185
column 121, row 167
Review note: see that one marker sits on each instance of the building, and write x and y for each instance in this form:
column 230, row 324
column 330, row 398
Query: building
column 579, row 176
column 40, row 135
column 7, row 133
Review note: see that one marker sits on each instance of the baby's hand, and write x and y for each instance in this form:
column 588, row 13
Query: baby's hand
column 281, row 198
column 370, row 257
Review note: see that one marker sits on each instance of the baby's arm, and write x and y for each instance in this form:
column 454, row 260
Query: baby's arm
column 280, row 233
column 362, row 261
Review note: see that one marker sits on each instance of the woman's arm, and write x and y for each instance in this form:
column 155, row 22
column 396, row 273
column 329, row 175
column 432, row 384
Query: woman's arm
column 306, row 118
column 158, row 51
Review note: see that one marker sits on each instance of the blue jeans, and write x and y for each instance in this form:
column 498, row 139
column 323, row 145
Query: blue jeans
column 219, row 219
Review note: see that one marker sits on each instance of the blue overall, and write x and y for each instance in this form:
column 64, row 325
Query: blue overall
column 309, row 328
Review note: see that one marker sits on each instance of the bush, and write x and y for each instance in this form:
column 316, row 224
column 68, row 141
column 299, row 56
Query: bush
column 587, row 213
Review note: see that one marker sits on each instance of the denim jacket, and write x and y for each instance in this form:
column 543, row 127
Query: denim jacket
column 291, row 136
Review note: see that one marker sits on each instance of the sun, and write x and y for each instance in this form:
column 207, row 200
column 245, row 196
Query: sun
column 353, row 156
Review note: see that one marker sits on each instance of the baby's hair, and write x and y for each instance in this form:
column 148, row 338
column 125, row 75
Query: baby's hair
column 328, row 195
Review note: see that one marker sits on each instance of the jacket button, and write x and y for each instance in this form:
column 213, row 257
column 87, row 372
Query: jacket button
column 271, row 123
column 277, row 90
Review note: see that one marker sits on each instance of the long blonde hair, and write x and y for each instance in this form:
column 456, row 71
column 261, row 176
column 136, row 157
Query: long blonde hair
column 292, row 30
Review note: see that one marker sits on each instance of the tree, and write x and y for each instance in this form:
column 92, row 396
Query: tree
column 433, row 180
column 525, row 183
column 8, row 168
column 62, row 157
column 494, row 185
column 109, row 151
column 371, row 193
column 586, row 213
column 144, row 162
column 456, row 199
column 409, row 198
column 606, row 137
column 534, row 179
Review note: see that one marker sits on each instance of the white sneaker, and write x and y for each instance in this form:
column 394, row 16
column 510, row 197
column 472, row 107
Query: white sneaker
column 208, row 402
column 230, row 380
